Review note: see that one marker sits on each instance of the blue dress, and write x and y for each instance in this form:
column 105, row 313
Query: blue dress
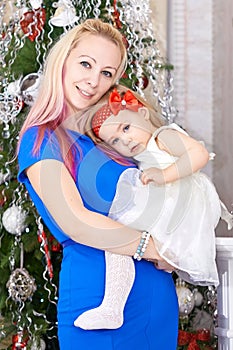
column 151, row 312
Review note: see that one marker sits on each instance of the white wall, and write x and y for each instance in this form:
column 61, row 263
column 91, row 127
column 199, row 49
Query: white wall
column 223, row 102
column 159, row 19
column 200, row 46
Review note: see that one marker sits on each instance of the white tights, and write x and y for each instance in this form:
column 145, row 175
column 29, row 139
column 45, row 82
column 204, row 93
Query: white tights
column 120, row 274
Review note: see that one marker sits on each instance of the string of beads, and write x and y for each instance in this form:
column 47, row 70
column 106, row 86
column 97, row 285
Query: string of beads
column 142, row 246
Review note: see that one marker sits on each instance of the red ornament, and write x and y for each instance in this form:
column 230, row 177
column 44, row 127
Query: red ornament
column 116, row 16
column 19, row 341
column 125, row 41
column 190, row 339
column 3, row 200
column 55, row 246
column 125, row 76
column 145, row 81
column 33, row 22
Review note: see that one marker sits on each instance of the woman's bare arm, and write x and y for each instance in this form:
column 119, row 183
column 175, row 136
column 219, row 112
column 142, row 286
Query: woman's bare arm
column 56, row 188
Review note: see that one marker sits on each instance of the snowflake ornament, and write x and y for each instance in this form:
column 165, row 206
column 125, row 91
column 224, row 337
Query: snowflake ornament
column 136, row 11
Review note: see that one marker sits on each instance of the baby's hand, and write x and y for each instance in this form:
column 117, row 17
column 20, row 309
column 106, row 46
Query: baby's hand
column 153, row 175
column 164, row 265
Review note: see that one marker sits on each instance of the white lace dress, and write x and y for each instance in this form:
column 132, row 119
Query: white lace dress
column 181, row 216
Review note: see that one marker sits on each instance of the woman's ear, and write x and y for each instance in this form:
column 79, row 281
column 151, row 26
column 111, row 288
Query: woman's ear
column 145, row 112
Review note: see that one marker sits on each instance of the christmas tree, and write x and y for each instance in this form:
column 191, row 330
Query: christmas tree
column 30, row 256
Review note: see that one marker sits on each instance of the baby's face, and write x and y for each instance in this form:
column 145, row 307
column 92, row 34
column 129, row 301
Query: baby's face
column 128, row 132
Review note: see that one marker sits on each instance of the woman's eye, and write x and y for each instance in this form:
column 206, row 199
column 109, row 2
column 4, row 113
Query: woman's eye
column 126, row 128
column 107, row 74
column 85, row 64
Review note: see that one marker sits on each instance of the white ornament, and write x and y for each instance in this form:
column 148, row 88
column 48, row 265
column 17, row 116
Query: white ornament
column 137, row 12
column 36, row 4
column 185, row 298
column 64, row 15
column 198, row 298
column 13, row 219
column 36, row 346
column 14, row 88
column 29, row 87
column 10, row 106
column 25, row 88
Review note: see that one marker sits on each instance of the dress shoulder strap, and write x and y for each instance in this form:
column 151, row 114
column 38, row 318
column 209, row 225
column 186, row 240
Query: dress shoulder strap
column 173, row 126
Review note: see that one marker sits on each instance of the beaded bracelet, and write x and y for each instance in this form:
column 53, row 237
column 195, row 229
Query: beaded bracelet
column 142, row 246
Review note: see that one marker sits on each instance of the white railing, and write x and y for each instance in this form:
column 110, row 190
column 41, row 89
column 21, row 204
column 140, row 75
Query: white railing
column 224, row 330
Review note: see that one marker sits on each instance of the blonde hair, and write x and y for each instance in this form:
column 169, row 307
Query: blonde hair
column 154, row 116
column 49, row 109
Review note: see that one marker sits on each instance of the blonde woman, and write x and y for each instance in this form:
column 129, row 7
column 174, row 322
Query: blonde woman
column 72, row 184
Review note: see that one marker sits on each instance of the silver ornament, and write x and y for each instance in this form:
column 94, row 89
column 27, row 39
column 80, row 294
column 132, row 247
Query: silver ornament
column 38, row 345
column 198, row 297
column 185, row 298
column 29, row 87
column 21, row 286
column 10, row 107
column 13, row 220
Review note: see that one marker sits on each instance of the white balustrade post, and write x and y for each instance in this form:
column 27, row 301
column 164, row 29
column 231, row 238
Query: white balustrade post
column 224, row 330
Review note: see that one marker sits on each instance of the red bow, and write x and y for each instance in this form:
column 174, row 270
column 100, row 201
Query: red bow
column 190, row 339
column 127, row 101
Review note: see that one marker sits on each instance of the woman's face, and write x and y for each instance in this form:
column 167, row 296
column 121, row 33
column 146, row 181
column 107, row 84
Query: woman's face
column 89, row 71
